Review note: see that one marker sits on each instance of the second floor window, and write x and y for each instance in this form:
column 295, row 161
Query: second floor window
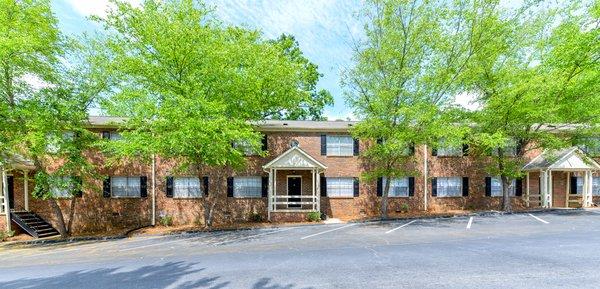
column 340, row 145
column 449, row 150
column 591, row 146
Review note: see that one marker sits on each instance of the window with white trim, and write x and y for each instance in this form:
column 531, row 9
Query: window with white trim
column 245, row 147
column 398, row 187
column 125, row 187
column 510, row 149
column 449, row 187
column 591, row 146
column 496, row 188
column 596, row 186
column 340, row 187
column 444, row 150
column 62, row 187
column 340, row 145
column 247, row 187
column 187, row 187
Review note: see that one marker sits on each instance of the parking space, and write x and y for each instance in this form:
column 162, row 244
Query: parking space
column 324, row 236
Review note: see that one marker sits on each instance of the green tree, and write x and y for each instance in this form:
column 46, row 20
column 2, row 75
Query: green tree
column 405, row 76
column 43, row 103
column 537, row 74
column 192, row 86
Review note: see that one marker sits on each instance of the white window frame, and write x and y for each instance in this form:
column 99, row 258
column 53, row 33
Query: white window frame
column 397, row 185
column 496, row 187
column 443, row 188
column 238, row 183
column 336, row 187
column 337, row 147
column 596, row 186
column 190, row 191
column 129, row 188
column 449, row 151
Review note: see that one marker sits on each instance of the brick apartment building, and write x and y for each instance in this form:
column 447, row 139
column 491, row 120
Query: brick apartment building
column 311, row 166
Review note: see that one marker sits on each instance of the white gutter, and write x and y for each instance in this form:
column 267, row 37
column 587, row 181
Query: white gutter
column 425, row 176
column 153, row 221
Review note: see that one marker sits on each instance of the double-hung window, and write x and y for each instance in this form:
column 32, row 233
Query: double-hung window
column 496, row 187
column 596, row 186
column 187, row 187
column 592, row 146
column 449, row 187
column 398, row 187
column 340, row 145
column 247, row 187
column 448, row 150
column 62, row 187
column 340, row 187
column 125, row 187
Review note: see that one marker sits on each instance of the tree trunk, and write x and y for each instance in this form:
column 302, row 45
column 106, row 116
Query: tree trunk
column 59, row 217
column 71, row 214
column 506, row 205
column 384, row 199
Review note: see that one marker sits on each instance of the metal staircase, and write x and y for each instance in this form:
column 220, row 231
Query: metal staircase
column 33, row 224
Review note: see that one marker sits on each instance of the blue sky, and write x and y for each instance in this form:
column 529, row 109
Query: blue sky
column 325, row 30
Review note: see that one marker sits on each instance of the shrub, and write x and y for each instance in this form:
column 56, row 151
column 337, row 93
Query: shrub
column 404, row 207
column 256, row 217
column 313, row 216
column 6, row 234
column 166, row 220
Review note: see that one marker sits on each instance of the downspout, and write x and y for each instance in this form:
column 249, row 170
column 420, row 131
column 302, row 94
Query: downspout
column 153, row 221
column 425, row 176
column 5, row 193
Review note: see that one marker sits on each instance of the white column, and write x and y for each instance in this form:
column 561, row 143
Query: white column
column 313, row 190
column 318, row 192
column 270, row 195
column 26, row 188
column 568, row 182
column 274, row 189
column 587, row 189
column 550, row 189
column 544, row 188
column 5, row 193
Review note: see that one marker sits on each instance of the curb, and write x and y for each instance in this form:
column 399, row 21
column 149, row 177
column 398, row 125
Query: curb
column 58, row 241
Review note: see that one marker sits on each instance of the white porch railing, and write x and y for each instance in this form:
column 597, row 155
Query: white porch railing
column 285, row 200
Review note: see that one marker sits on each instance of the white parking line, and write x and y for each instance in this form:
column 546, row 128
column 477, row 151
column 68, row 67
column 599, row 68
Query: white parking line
column 152, row 245
column 545, row 222
column 255, row 235
column 324, row 232
column 401, row 226
column 470, row 223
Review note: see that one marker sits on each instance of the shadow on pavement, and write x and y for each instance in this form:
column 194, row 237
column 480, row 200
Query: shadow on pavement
column 156, row 276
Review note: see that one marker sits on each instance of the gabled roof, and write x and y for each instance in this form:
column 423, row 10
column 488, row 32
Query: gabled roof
column 570, row 159
column 294, row 158
column 16, row 161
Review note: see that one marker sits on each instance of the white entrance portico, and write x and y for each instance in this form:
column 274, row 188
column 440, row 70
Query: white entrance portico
column 566, row 162
column 300, row 174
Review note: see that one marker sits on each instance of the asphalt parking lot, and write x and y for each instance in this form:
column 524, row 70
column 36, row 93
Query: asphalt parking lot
column 558, row 249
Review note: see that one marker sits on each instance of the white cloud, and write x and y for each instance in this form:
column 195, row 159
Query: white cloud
column 467, row 100
column 94, row 7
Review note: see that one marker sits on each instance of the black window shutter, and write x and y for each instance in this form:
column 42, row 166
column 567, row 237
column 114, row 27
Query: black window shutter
column 143, row 186
column 379, row 186
column 488, row 186
column 465, row 149
column 106, row 134
column 230, row 187
column 79, row 183
column 356, row 147
column 356, row 187
column 573, row 185
column 265, row 144
column 323, row 145
column 411, row 186
column 411, row 149
column 205, row 184
column 169, row 190
column 519, row 187
column 465, row 186
column 519, row 147
column 106, row 188
column 265, row 187
column 323, row 186
column 434, row 187
column 10, row 186
column 434, row 151
column 379, row 141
